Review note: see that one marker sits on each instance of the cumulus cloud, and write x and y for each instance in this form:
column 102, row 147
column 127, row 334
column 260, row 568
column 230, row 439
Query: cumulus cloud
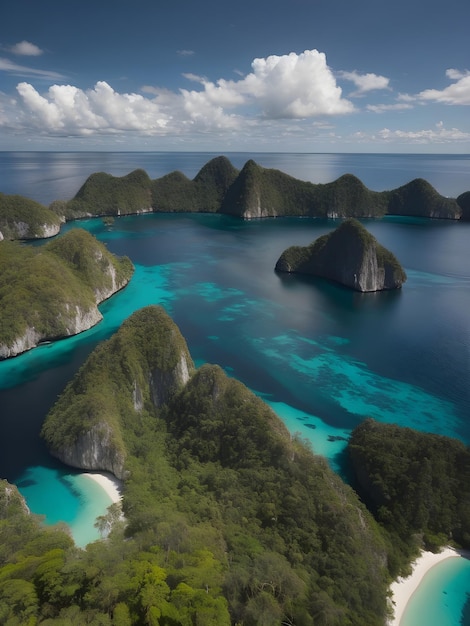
column 293, row 86
column 365, row 82
column 26, row 48
column 65, row 109
column 456, row 94
column 185, row 53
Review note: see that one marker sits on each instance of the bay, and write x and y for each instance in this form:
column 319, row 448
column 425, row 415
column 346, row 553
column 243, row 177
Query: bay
column 443, row 597
column 323, row 357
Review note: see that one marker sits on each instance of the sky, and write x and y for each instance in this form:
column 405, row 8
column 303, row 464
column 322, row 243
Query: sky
column 249, row 76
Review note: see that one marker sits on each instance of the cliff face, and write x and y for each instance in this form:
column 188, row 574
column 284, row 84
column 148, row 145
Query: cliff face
column 94, row 449
column 88, row 426
column 350, row 255
column 22, row 218
column 70, row 276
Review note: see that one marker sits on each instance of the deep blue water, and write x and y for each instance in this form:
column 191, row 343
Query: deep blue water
column 322, row 356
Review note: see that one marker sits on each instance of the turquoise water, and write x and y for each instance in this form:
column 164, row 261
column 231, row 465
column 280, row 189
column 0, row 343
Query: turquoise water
column 441, row 598
column 321, row 356
column 64, row 497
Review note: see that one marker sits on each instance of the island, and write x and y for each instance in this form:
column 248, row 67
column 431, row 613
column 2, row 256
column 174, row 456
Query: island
column 228, row 517
column 52, row 291
column 349, row 255
column 254, row 192
column 22, row 218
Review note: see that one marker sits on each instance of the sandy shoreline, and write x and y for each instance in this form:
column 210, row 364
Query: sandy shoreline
column 109, row 483
column 403, row 588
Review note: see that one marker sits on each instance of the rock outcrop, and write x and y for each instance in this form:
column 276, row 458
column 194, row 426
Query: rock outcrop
column 53, row 291
column 22, row 218
column 349, row 255
column 87, row 427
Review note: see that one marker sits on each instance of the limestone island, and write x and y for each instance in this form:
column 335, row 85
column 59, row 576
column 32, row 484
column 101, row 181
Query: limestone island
column 53, row 291
column 349, row 255
column 254, row 192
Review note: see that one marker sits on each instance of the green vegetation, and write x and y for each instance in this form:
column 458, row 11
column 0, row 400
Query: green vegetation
column 21, row 218
column 103, row 194
column 42, row 289
column 416, row 484
column 205, row 193
column 419, row 198
column 347, row 255
column 229, row 518
column 253, row 192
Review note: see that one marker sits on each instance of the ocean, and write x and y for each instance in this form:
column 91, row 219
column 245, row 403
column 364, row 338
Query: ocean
column 322, row 357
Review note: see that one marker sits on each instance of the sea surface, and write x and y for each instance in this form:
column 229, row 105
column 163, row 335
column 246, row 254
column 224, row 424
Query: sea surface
column 322, row 356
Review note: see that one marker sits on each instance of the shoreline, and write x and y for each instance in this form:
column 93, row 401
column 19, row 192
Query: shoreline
column 109, row 483
column 403, row 588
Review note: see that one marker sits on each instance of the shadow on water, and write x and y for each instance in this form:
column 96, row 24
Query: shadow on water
column 339, row 295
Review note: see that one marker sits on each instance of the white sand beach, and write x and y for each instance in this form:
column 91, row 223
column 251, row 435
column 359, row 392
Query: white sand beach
column 108, row 482
column 403, row 588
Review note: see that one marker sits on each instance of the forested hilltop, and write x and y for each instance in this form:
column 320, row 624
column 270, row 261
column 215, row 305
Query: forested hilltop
column 349, row 255
column 230, row 519
column 52, row 291
column 252, row 192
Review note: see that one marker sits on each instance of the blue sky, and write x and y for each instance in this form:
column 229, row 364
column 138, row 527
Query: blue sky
column 258, row 75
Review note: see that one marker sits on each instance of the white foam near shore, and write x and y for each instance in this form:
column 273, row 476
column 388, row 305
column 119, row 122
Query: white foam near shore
column 108, row 482
column 403, row 588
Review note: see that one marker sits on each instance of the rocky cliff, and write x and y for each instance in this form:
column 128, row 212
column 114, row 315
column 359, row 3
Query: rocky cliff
column 22, row 218
column 349, row 255
column 53, row 291
column 121, row 385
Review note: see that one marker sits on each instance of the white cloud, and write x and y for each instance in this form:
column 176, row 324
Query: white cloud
column 294, row 86
column 382, row 108
column 26, row 48
column 454, row 74
column 366, row 82
column 21, row 70
column 185, row 53
column 439, row 134
column 457, row 94
column 71, row 111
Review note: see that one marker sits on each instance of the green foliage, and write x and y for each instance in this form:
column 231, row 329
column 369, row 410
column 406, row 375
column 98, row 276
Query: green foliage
column 112, row 389
column 340, row 255
column 175, row 192
column 419, row 198
column 22, row 218
column 253, row 192
column 42, row 288
column 230, row 513
column 417, row 484
column 103, row 194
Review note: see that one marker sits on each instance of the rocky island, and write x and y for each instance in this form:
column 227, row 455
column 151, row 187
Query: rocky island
column 52, row 291
column 349, row 255
column 230, row 519
column 22, row 218
column 253, row 192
